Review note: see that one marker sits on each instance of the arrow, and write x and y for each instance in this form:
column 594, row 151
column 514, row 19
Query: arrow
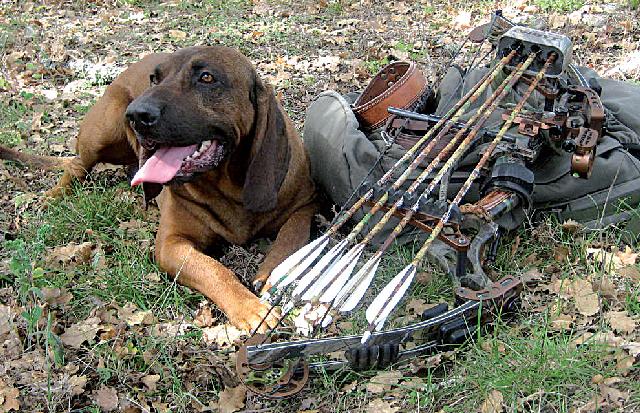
column 390, row 296
column 355, row 290
column 296, row 264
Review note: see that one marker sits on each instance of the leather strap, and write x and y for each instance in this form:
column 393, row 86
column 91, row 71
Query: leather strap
column 399, row 84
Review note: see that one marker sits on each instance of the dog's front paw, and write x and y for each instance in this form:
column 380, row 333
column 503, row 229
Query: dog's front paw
column 252, row 314
column 260, row 282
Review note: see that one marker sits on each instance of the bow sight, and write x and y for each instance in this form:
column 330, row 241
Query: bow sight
column 572, row 120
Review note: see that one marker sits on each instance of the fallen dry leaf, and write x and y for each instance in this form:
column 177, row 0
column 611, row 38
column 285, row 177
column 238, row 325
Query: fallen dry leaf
column 106, row 398
column 417, row 306
column 204, row 317
column 587, row 302
column 632, row 272
column 383, row 381
column 562, row 322
column 222, row 334
column 493, row 403
column 381, row 406
column 8, row 397
column 177, row 34
column 612, row 395
column 141, row 317
column 632, row 347
column 462, row 20
column 56, row 296
column 561, row 253
column 70, row 255
column 571, row 226
column 620, row 321
column 80, row 332
column 613, row 261
column 76, row 384
column 150, row 381
column 626, row 257
column 231, row 399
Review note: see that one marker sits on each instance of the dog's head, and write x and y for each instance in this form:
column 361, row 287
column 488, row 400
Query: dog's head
column 206, row 107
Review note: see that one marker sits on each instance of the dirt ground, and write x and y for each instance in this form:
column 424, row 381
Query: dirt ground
column 89, row 324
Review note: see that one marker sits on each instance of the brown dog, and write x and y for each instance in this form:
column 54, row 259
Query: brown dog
column 200, row 122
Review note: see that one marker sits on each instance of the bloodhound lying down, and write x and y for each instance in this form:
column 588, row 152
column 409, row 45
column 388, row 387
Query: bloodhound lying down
column 211, row 139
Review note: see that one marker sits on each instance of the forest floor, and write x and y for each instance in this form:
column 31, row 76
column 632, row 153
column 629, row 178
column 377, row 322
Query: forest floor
column 88, row 323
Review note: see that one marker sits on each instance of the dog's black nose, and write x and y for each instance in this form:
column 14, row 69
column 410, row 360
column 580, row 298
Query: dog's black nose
column 143, row 113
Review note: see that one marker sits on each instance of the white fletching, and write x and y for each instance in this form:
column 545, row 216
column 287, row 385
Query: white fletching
column 304, row 261
column 343, row 277
column 343, row 265
column 324, row 264
column 283, row 269
column 327, row 320
column 363, row 280
column 389, row 297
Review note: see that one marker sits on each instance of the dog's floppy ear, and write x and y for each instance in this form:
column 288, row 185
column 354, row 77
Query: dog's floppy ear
column 269, row 154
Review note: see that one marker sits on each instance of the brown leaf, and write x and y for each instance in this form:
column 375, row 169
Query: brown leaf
column 204, row 317
column 177, row 34
column 76, row 384
column 56, row 296
column 624, row 363
column 562, row 322
column 605, row 287
column 70, row 255
column 571, row 226
column 383, row 381
column 141, row 317
column 626, row 257
column 613, row 396
column 462, row 20
column 106, row 398
column 587, row 301
column 8, row 397
column 222, row 334
column 620, row 321
column 80, row 332
column 632, row 347
column 150, row 381
column 493, row 403
column 424, row 277
column 532, row 276
column 417, row 306
column 381, row 406
column 560, row 253
column 232, row 399
column 631, row 271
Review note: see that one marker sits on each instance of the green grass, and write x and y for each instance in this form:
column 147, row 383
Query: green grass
column 14, row 121
column 519, row 365
column 559, row 6
column 93, row 213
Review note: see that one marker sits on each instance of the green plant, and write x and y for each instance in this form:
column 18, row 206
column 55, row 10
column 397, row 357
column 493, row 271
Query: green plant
column 560, row 6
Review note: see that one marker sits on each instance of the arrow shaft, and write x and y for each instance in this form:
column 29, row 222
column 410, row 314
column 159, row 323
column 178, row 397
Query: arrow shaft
column 453, row 115
column 479, row 118
column 374, row 321
column 483, row 160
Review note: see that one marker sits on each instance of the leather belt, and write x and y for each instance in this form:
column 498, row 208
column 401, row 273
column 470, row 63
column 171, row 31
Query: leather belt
column 399, row 84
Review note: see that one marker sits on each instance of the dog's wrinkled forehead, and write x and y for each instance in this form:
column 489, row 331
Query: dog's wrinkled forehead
column 226, row 65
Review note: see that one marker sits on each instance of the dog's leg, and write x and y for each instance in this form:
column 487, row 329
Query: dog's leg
column 181, row 257
column 292, row 235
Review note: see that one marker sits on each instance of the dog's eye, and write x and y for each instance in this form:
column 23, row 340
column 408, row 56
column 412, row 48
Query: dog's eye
column 153, row 79
column 206, row 77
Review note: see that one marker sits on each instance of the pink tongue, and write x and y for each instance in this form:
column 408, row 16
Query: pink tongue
column 163, row 165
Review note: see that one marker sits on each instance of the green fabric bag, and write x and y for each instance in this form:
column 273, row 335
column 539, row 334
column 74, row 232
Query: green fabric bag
column 342, row 156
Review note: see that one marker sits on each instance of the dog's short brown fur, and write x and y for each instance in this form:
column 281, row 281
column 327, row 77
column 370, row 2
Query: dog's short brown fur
column 262, row 187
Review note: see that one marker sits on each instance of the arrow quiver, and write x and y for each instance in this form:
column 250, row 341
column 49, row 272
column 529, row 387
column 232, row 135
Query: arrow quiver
column 326, row 279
